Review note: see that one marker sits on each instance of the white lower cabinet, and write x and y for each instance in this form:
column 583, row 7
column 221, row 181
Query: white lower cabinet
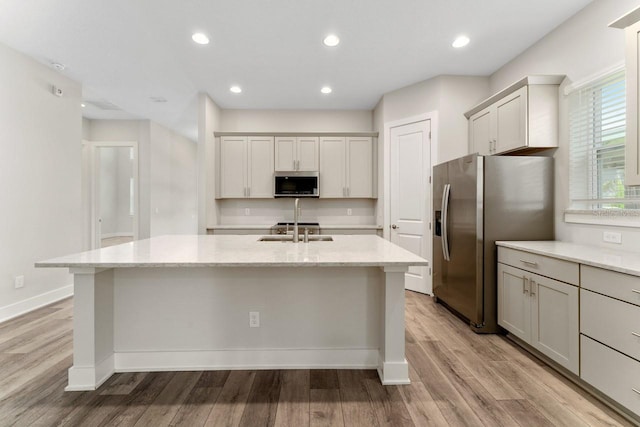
column 588, row 320
column 611, row 372
column 540, row 311
column 610, row 334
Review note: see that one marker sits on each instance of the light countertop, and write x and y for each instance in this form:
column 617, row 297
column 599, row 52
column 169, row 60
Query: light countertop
column 242, row 251
column 268, row 226
column 610, row 259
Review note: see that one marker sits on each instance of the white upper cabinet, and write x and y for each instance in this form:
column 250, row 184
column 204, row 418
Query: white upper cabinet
column 233, row 167
column 359, row 170
column 481, row 133
column 332, row 167
column 285, row 153
column 631, row 24
column 246, row 167
column 524, row 116
column 346, row 167
column 296, row 153
column 511, row 122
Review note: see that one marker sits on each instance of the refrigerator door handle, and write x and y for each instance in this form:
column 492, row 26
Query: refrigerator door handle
column 445, row 220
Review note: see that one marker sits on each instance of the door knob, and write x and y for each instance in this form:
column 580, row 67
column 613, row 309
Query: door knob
column 394, row 226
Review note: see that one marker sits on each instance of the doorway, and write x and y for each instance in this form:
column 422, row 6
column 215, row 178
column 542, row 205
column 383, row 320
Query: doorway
column 114, row 193
column 410, row 195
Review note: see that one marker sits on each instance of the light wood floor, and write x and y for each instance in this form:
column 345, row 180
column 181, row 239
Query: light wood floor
column 458, row 379
column 111, row 241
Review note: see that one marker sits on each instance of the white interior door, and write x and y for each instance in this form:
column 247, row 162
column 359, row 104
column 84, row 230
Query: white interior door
column 114, row 193
column 410, row 197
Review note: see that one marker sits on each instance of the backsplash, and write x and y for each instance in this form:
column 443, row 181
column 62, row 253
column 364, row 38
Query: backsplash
column 271, row 211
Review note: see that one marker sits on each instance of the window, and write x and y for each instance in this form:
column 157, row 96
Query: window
column 597, row 136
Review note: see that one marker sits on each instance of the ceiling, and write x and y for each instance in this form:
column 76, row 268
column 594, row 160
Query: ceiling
column 126, row 52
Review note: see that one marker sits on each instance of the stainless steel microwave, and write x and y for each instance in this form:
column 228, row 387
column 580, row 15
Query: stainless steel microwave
column 297, row 184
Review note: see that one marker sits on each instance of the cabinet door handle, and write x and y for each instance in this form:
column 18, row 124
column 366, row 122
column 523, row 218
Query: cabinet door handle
column 636, row 390
column 525, row 285
column 531, row 263
column 348, row 192
column 635, row 334
column 248, row 191
column 533, row 285
column 635, row 291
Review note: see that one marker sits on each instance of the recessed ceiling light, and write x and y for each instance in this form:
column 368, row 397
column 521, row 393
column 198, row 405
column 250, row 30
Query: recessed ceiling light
column 235, row 89
column 200, row 38
column 58, row 66
column 331, row 40
column 326, row 90
column 83, row 105
column 460, row 41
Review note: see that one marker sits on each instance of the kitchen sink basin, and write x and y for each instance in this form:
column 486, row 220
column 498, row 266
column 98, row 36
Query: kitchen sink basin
column 289, row 238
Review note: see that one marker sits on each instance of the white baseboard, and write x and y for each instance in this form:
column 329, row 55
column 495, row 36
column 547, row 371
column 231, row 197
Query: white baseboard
column 90, row 378
column 246, row 359
column 19, row 308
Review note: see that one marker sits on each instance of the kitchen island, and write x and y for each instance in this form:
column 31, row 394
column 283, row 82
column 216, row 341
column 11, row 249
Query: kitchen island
column 185, row 303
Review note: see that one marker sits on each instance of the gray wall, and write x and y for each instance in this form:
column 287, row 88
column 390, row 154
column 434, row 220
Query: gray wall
column 40, row 159
column 581, row 47
column 167, row 168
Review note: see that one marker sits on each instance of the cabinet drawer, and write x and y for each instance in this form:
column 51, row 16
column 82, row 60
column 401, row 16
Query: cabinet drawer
column 613, row 373
column 618, row 328
column 565, row 271
column 617, row 285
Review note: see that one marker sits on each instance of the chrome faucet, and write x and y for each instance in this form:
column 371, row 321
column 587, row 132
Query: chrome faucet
column 296, row 205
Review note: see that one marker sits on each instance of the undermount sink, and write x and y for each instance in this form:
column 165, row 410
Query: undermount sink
column 289, row 238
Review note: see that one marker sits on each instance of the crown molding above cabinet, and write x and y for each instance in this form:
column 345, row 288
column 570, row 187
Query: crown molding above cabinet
column 298, row 134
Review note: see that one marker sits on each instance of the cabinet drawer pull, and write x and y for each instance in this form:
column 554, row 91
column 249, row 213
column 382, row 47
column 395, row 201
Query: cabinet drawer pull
column 535, row 264
column 636, row 390
column 635, row 334
column 635, row 291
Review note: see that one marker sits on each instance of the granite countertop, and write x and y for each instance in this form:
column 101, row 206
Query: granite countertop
column 242, row 251
column 268, row 226
column 610, row 259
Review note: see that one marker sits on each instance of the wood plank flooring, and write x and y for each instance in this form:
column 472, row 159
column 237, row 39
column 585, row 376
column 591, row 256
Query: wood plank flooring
column 458, row 379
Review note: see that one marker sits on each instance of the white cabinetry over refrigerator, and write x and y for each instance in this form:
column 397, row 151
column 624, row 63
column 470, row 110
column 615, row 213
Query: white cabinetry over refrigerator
column 523, row 116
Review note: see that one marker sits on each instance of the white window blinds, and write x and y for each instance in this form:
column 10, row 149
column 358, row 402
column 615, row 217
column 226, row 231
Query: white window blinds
column 596, row 136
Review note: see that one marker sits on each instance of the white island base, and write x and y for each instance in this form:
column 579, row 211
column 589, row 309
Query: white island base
column 314, row 312
column 184, row 319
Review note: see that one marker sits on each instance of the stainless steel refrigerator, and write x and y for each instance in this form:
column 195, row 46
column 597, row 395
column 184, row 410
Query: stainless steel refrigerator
column 478, row 200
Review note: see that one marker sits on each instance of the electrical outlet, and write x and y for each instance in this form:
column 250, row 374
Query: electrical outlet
column 247, row 211
column 612, row 237
column 254, row 319
column 349, row 212
column 18, row 282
